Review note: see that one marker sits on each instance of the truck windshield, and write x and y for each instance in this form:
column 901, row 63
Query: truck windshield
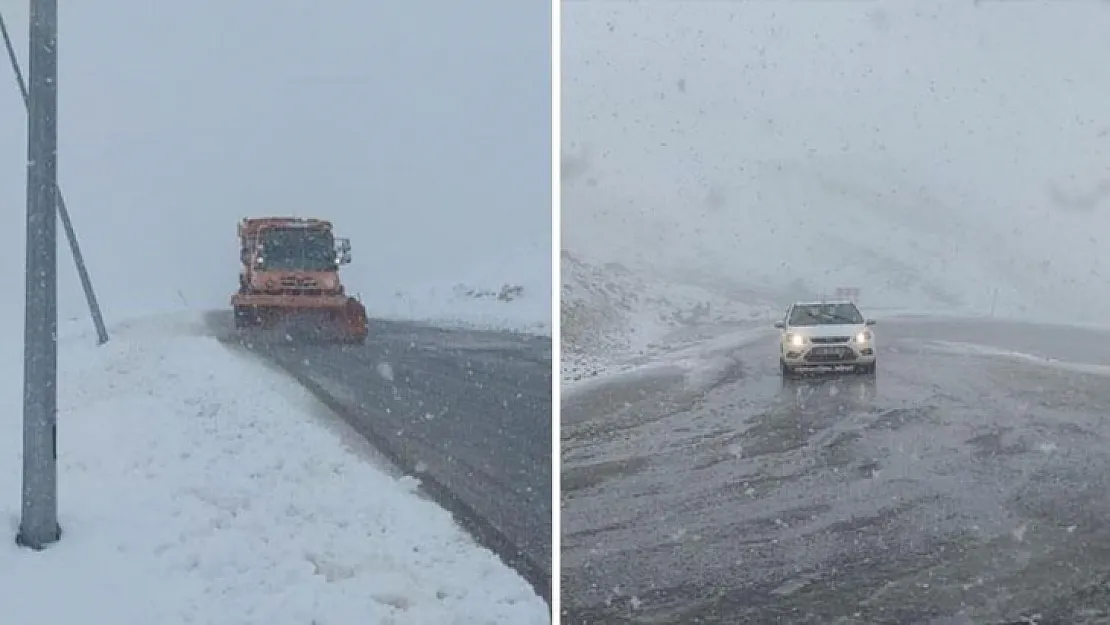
column 298, row 250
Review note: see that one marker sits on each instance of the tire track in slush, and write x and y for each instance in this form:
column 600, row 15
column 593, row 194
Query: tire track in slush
column 950, row 488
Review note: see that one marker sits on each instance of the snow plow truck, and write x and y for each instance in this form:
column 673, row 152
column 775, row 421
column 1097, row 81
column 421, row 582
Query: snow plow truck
column 289, row 282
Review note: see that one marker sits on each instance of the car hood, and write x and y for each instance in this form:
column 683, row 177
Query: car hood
column 828, row 330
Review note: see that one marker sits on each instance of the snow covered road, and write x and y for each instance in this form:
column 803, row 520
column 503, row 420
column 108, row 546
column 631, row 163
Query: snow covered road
column 468, row 411
column 197, row 487
column 966, row 482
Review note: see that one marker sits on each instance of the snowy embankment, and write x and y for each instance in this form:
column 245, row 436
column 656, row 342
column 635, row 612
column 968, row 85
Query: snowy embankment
column 615, row 320
column 508, row 289
column 198, row 487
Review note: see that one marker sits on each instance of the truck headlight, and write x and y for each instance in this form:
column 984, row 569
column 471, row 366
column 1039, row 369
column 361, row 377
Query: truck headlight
column 863, row 337
column 795, row 340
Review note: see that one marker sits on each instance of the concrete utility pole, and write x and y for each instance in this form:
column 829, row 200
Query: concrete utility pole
column 63, row 212
column 38, row 526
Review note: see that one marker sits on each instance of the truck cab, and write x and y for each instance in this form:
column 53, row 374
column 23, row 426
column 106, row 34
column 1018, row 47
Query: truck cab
column 291, row 257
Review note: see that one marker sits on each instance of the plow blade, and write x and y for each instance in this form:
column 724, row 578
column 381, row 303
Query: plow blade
column 275, row 322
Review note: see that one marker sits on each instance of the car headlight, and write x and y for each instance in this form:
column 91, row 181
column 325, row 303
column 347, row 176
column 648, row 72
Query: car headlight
column 795, row 340
column 863, row 337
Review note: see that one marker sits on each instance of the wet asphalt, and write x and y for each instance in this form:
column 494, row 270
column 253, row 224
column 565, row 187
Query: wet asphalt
column 468, row 410
column 949, row 488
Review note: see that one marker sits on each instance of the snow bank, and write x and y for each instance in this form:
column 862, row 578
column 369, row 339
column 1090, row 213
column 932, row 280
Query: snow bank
column 613, row 319
column 197, row 488
column 699, row 362
column 972, row 349
column 935, row 155
column 509, row 289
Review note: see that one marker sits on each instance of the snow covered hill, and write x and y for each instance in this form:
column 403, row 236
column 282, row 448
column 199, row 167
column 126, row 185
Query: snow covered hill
column 935, row 155
column 197, row 487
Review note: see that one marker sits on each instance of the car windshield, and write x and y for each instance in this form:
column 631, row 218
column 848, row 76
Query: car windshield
column 299, row 249
column 825, row 314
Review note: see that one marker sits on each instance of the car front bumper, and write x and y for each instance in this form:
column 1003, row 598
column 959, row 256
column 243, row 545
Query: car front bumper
column 821, row 356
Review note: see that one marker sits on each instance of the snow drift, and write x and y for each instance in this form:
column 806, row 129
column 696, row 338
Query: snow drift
column 195, row 487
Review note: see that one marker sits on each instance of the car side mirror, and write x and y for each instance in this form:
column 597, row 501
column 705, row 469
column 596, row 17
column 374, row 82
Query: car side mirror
column 780, row 325
column 869, row 322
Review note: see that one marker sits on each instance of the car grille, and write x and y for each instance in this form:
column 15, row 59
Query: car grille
column 825, row 340
column 830, row 354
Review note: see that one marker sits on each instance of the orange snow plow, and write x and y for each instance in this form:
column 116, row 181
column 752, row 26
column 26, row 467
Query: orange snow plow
column 289, row 281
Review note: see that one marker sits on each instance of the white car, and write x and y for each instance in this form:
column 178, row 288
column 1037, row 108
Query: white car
column 826, row 335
